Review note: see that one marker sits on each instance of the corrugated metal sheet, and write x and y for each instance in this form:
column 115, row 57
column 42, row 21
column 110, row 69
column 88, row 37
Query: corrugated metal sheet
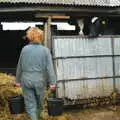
column 69, row 2
column 86, row 88
column 39, row 1
column 73, row 46
column 79, row 68
column 117, row 66
column 76, row 68
column 117, row 46
column 117, row 58
column 98, row 2
column 92, row 59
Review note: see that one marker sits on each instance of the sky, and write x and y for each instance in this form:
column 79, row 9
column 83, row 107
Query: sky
column 23, row 25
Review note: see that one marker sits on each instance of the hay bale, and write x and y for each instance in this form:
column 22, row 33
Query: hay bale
column 8, row 89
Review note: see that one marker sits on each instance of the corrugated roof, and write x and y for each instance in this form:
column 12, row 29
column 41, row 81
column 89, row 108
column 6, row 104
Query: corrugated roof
column 98, row 2
column 109, row 3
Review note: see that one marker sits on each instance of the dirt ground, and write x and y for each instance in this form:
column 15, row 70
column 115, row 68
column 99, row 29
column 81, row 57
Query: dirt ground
column 109, row 113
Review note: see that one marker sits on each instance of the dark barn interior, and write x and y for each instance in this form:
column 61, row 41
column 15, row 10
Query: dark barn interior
column 10, row 47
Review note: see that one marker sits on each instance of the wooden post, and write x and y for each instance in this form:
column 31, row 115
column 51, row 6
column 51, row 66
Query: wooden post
column 47, row 29
column 45, row 34
column 49, row 34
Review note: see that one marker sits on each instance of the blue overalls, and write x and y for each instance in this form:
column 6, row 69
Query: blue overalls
column 34, row 66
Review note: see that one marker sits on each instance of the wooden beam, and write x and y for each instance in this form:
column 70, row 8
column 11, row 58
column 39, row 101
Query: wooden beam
column 60, row 17
column 53, row 16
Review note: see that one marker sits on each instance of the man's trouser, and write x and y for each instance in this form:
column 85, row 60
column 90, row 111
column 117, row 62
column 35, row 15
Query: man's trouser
column 33, row 98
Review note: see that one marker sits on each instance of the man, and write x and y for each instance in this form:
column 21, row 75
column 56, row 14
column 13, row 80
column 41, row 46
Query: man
column 34, row 66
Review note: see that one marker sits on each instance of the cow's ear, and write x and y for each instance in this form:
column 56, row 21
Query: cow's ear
column 94, row 19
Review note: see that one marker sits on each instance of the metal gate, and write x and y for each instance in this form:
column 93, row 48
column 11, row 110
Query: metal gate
column 86, row 67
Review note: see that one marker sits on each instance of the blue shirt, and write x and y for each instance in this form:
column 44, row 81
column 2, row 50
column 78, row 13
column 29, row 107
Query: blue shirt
column 35, row 66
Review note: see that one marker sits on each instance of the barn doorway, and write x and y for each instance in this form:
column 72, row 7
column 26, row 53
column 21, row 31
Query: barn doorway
column 10, row 48
column 12, row 36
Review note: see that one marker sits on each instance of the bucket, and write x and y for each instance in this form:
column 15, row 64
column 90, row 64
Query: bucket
column 16, row 104
column 55, row 106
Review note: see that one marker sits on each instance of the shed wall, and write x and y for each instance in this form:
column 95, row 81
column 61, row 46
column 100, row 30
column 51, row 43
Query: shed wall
column 86, row 67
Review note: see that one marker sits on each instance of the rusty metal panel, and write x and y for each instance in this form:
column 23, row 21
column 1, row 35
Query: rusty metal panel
column 76, row 46
column 86, row 88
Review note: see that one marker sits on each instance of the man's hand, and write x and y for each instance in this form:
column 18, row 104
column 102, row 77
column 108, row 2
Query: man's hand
column 16, row 84
column 53, row 86
column 53, row 90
